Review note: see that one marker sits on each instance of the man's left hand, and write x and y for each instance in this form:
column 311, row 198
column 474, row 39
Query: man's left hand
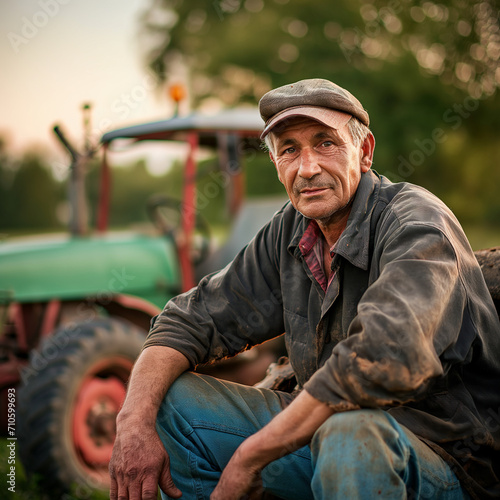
column 238, row 482
column 288, row 431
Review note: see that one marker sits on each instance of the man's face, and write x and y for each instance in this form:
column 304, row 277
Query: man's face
column 320, row 167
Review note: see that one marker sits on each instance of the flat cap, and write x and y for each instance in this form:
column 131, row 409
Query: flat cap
column 312, row 92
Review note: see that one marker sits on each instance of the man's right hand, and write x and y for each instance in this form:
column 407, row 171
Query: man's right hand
column 139, row 464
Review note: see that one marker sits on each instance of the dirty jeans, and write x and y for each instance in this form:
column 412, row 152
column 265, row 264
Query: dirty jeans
column 361, row 454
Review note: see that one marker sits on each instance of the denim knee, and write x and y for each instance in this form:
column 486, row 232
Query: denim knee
column 363, row 434
column 359, row 454
column 182, row 386
column 189, row 394
column 359, row 425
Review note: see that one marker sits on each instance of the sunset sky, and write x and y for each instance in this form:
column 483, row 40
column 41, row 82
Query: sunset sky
column 57, row 54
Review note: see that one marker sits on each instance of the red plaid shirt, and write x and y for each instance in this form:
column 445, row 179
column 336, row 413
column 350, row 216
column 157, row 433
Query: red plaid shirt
column 311, row 247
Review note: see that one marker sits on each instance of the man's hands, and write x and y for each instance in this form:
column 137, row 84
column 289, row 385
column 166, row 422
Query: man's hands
column 139, row 464
column 238, row 481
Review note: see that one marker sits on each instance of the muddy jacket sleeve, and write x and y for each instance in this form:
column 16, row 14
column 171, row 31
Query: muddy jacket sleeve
column 409, row 325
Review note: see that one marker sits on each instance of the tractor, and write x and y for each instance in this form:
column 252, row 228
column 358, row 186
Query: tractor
column 76, row 308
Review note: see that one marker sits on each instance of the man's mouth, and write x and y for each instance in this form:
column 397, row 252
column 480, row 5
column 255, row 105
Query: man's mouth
column 313, row 191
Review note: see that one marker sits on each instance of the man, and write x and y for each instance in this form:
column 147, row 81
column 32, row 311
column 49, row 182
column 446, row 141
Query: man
column 389, row 325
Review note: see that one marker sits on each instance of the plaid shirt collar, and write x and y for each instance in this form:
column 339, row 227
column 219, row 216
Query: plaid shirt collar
column 311, row 247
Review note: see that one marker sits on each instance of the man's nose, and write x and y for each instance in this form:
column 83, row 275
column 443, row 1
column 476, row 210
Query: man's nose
column 309, row 166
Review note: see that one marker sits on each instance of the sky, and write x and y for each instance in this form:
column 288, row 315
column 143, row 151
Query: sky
column 57, row 55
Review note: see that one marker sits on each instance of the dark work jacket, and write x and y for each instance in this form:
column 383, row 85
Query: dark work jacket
column 407, row 323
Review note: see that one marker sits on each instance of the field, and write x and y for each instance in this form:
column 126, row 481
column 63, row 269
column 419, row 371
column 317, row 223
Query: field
column 28, row 489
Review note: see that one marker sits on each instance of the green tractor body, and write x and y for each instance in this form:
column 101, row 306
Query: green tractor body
column 75, row 308
column 66, row 268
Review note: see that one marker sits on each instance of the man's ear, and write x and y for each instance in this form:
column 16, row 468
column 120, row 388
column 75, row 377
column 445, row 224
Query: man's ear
column 367, row 149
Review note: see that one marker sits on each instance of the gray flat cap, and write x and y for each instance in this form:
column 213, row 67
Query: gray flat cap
column 311, row 92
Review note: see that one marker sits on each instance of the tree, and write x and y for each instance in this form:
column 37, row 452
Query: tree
column 245, row 46
column 426, row 72
column 30, row 195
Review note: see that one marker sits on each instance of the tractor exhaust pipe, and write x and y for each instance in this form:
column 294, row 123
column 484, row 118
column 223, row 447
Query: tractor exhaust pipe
column 78, row 224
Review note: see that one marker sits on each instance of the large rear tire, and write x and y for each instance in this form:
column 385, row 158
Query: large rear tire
column 72, row 390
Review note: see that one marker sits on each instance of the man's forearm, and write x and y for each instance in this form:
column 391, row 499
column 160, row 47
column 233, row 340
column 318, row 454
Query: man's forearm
column 154, row 372
column 291, row 429
column 288, row 431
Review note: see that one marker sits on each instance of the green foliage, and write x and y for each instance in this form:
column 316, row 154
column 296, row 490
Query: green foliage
column 131, row 187
column 426, row 72
column 242, row 46
column 235, row 52
column 260, row 176
column 28, row 192
column 32, row 200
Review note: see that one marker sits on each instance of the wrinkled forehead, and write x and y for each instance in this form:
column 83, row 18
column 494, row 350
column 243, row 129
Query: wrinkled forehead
column 287, row 129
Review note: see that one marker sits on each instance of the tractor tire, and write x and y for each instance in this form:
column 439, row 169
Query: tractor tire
column 72, row 391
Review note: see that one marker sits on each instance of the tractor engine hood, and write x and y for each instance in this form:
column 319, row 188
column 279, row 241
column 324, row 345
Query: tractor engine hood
column 60, row 267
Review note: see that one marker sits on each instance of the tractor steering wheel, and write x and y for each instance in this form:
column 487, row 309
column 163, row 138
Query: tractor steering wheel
column 166, row 214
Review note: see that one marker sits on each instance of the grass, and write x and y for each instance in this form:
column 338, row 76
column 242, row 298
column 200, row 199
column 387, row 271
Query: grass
column 30, row 489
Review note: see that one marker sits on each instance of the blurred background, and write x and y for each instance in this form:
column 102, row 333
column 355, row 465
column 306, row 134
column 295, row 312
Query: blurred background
column 427, row 73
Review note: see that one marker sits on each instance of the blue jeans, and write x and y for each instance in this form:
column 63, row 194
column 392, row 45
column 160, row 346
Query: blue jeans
column 361, row 454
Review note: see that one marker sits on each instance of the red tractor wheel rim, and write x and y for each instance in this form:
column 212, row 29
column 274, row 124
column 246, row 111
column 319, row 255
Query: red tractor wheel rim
column 98, row 401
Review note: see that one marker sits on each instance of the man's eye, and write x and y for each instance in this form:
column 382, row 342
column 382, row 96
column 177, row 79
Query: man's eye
column 327, row 144
column 289, row 151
